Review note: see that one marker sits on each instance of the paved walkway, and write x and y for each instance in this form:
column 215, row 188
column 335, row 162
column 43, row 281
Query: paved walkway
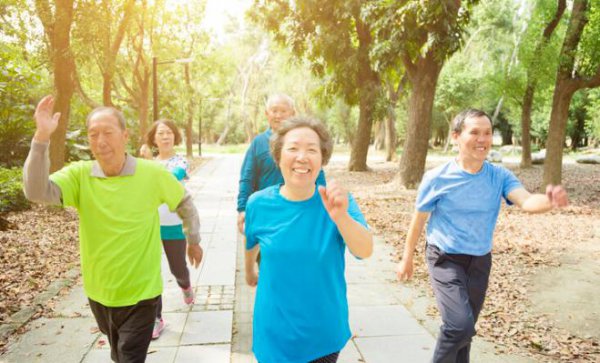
column 217, row 329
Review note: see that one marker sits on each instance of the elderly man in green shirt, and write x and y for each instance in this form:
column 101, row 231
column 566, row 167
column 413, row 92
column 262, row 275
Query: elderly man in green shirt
column 117, row 197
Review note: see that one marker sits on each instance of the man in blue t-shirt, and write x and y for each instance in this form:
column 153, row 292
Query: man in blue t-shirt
column 462, row 200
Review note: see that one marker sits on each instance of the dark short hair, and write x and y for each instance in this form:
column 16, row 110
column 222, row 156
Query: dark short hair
column 459, row 120
column 108, row 110
column 152, row 132
column 325, row 142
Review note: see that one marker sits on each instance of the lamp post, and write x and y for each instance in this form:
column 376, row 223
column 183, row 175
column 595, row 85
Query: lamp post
column 155, row 63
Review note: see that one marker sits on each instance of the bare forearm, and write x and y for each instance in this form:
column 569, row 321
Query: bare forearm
column 36, row 183
column 358, row 238
column 191, row 221
column 414, row 232
column 250, row 258
column 537, row 203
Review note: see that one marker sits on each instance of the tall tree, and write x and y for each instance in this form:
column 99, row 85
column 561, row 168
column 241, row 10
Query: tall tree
column 578, row 68
column 57, row 20
column 337, row 39
column 423, row 34
column 106, row 23
column 533, row 70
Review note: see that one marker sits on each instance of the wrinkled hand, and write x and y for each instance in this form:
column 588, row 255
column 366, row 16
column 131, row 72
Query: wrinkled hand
column 335, row 200
column 146, row 151
column 404, row 270
column 252, row 278
column 557, row 195
column 45, row 122
column 241, row 220
column 194, row 253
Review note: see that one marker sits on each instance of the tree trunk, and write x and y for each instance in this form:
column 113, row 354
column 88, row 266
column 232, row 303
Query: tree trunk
column 111, row 47
column 225, row 131
column 526, row 125
column 423, row 76
column 532, row 83
column 379, row 142
column 390, row 135
column 368, row 92
column 578, row 132
column 189, row 135
column 58, row 29
column 567, row 83
column 563, row 93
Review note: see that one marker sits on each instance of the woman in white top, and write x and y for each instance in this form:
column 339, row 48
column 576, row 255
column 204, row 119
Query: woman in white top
column 163, row 136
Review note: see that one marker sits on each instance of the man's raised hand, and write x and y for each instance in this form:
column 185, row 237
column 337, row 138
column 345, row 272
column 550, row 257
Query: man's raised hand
column 45, row 122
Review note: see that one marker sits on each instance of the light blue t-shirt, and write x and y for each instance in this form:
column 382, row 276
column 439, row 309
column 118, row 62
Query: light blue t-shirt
column 464, row 207
column 301, row 310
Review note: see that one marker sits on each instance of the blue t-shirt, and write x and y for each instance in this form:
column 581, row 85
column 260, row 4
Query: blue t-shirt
column 260, row 171
column 301, row 310
column 464, row 207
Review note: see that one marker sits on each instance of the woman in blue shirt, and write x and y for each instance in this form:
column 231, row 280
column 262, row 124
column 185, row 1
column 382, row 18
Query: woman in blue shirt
column 462, row 200
column 302, row 231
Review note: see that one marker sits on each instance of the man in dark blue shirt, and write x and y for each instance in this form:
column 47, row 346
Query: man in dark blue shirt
column 259, row 169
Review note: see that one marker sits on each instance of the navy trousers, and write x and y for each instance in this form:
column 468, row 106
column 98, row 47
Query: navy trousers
column 459, row 283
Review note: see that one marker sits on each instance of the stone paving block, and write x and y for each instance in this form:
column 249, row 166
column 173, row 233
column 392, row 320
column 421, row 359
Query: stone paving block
column 207, row 327
column 217, row 353
column 219, row 269
column 372, row 295
column 413, row 348
column 97, row 356
column 377, row 321
column 237, row 357
column 53, row 340
column 171, row 335
column 350, row 354
column 74, row 304
column 161, row 355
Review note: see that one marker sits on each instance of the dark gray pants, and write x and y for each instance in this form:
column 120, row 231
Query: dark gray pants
column 128, row 328
column 175, row 251
column 459, row 283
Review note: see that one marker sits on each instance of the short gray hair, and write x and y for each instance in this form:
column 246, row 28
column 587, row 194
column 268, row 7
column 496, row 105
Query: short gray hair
column 275, row 97
column 459, row 120
column 325, row 141
column 108, row 110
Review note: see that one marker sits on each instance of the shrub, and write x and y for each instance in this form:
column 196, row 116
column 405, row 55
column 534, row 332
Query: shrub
column 11, row 190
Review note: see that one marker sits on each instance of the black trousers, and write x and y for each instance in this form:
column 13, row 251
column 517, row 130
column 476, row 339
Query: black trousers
column 175, row 252
column 331, row 358
column 128, row 328
column 459, row 283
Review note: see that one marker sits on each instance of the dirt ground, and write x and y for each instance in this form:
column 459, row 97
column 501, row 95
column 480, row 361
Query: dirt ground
column 543, row 300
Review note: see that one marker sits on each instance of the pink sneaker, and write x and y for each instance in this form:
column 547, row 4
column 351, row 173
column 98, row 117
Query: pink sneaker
column 188, row 295
column 159, row 326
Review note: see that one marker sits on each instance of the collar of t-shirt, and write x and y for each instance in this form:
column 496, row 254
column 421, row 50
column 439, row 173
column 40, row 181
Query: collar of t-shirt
column 128, row 168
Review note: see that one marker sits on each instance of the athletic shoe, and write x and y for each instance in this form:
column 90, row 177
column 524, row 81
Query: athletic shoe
column 188, row 295
column 159, row 326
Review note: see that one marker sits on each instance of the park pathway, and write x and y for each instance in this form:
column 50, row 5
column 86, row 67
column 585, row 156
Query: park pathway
column 217, row 328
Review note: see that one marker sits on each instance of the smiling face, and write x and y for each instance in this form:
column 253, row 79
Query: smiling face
column 475, row 139
column 300, row 161
column 107, row 139
column 164, row 138
column 278, row 111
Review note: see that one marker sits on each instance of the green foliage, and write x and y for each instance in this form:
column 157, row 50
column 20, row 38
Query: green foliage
column 593, row 111
column 412, row 28
column 11, row 189
column 18, row 82
column 588, row 54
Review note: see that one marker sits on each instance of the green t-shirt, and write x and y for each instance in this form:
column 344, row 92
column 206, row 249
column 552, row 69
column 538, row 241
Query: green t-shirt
column 119, row 230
